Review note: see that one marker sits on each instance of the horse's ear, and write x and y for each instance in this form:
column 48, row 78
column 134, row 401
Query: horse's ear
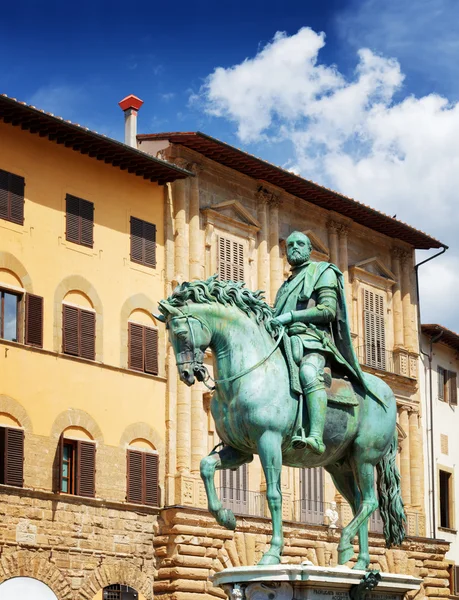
column 167, row 310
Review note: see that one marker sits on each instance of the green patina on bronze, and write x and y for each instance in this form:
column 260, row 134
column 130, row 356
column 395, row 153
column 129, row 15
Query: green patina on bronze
column 350, row 419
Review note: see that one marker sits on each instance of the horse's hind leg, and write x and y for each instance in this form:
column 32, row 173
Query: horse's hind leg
column 227, row 458
column 269, row 450
column 344, row 481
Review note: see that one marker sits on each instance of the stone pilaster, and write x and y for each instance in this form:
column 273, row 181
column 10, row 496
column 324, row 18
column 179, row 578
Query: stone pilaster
column 333, row 241
column 263, row 256
column 197, row 259
column 405, row 460
column 344, row 266
column 397, row 308
column 276, row 274
column 416, row 464
column 198, row 434
column 407, row 303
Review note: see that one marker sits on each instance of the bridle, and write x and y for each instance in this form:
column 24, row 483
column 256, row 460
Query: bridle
column 195, row 357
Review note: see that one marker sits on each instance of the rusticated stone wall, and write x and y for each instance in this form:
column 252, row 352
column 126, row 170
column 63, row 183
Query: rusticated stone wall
column 191, row 547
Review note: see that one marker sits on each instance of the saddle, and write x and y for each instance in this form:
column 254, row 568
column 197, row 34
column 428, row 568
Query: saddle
column 339, row 389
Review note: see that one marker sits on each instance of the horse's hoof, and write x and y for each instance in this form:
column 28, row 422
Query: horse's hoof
column 361, row 564
column 226, row 518
column 345, row 554
column 269, row 559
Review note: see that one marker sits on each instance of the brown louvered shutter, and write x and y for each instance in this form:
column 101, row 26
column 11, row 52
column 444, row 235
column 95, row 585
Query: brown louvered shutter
column 151, row 350
column 57, row 465
column 441, row 382
column 149, row 244
column 151, row 462
column 452, row 381
column 72, row 232
column 86, row 223
column 70, row 330
column 135, row 343
column 136, row 240
column 86, row 469
column 34, row 320
column 134, row 476
column 12, row 197
column 87, row 334
column 14, row 457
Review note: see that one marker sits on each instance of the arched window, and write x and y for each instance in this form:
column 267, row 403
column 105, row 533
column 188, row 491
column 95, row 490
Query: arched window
column 78, row 326
column 142, row 473
column 11, row 451
column 76, row 463
column 119, row 591
column 142, row 343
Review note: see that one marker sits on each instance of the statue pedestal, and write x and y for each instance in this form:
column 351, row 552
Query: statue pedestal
column 308, row 582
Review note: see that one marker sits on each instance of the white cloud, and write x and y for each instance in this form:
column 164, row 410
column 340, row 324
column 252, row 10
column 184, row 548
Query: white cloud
column 353, row 134
column 58, row 99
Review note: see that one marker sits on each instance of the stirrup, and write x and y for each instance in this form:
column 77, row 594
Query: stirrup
column 299, row 440
column 316, row 444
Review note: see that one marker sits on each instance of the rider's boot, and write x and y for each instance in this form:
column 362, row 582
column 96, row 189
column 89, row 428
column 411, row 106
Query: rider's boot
column 317, row 408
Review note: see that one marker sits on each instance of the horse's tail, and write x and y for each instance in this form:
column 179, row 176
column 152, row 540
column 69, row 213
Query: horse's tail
column 390, row 498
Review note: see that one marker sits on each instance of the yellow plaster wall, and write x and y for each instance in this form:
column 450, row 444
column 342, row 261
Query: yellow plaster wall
column 37, row 257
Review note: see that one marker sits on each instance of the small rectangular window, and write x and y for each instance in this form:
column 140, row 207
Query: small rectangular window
column 79, row 221
column 12, row 456
column 12, row 197
column 9, row 316
column 230, row 259
column 441, row 378
column 142, row 477
column 374, row 329
column 445, row 499
column 143, row 348
column 79, row 332
column 77, row 467
column 143, row 242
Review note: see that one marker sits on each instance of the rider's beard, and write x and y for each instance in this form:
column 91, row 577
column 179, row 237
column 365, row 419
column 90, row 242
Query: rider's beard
column 296, row 259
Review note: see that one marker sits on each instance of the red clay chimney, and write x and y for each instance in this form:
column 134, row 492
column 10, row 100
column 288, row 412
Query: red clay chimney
column 130, row 105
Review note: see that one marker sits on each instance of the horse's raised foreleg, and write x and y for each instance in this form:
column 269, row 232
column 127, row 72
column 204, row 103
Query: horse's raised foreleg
column 365, row 479
column 269, row 450
column 344, row 481
column 227, row 458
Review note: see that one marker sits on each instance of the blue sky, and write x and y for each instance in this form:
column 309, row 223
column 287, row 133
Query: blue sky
column 369, row 108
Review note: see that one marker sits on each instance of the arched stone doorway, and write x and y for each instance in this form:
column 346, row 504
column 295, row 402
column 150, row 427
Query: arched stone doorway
column 25, row 587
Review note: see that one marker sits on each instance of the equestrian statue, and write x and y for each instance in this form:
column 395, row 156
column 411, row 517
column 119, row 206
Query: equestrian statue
column 288, row 387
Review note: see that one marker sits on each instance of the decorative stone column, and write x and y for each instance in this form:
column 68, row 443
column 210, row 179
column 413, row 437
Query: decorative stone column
column 397, row 308
column 276, row 275
column 408, row 332
column 263, row 256
column 405, row 459
column 198, row 435
column 333, row 241
column 416, row 464
column 344, row 266
column 197, row 259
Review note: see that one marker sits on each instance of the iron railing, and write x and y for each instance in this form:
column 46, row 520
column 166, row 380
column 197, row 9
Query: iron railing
column 377, row 357
column 243, row 502
column 309, row 511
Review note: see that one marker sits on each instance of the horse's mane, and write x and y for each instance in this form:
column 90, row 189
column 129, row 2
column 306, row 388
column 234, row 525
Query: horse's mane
column 228, row 293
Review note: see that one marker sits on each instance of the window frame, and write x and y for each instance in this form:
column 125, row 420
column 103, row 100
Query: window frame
column 19, row 301
column 446, row 502
column 12, row 179
column 446, row 385
column 236, row 263
column 133, row 222
column 82, row 206
column 80, row 311
column 144, row 328
column 143, row 477
column 372, row 320
column 76, row 467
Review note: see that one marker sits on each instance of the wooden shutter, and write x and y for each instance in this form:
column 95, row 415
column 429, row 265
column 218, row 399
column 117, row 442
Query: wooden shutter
column 72, row 231
column 441, row 382
column 149, row 243
column 86, row 222
column 374, row 329
column 452, row 387
column 14, row 457
column 12, row 197
column 230, row 259
column 34, row 320
column 135, row 343
column 57, row 465
column 70, row 330
column 87, row 334
column 136, row 240
column 151, row 350
column 134, row 476
column 151, row 479
column 86, row 469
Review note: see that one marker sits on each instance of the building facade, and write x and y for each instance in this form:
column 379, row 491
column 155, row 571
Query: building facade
column 439, row 368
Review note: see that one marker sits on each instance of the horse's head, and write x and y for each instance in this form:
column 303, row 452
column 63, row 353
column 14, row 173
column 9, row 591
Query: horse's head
column 190, row 337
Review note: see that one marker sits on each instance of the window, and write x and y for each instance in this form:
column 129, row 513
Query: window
column 447, row 385
column 12, row 456
column 12, row 197
column 230, row 259
column 79, row 221
column 312, row 496
column 445, row 490
column 143, row 242
column 142, row 477
column 143, row 348
column 118, row 591
column 12, row 315
column 374, row 330
column 234, row 489
column 77, row 467
column 79, row 332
